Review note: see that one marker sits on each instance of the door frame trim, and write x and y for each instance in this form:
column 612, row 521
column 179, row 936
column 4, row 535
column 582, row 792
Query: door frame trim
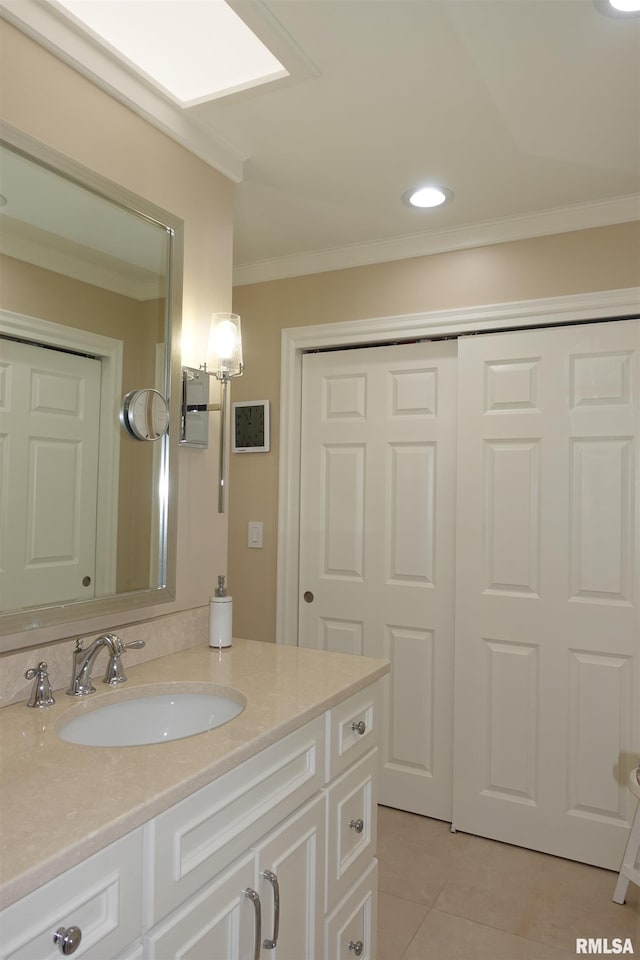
column 295, row 341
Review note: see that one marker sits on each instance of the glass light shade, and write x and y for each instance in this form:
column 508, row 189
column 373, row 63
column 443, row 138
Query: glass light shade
column 225, row 345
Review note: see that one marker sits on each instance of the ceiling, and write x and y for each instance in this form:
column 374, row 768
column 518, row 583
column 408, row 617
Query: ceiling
column 528, row 110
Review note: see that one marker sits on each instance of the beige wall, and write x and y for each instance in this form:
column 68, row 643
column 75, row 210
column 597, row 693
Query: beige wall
column 48, row 100
column 606, row 258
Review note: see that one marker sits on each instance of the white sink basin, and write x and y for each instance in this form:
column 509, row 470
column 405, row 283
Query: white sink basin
column 154, row 718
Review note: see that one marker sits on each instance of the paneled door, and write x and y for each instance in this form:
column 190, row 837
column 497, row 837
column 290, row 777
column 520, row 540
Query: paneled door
column 377, row 542
column 49, row 436
column 547, row 667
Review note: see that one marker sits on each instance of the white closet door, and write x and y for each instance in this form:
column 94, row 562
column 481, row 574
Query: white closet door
column 547, row 690
column 376, row 544
column 49, row 435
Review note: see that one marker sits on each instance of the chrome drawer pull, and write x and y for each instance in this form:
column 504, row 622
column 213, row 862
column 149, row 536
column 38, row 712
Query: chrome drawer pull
column 357, row 825
column 255, row 900
column 359, row 726
column 357, row 947
column 68, row 939
column 273, row 880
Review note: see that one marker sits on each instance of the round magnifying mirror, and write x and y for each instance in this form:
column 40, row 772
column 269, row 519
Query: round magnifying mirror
column 145, row 414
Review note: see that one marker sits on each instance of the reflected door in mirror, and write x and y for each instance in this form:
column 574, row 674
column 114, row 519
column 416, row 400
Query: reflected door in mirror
column 49, row 423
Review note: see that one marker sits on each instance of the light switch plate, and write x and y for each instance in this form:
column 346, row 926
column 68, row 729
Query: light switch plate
column 255, row 534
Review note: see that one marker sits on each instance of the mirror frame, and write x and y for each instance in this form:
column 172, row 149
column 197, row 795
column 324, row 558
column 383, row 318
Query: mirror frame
column 33, row 618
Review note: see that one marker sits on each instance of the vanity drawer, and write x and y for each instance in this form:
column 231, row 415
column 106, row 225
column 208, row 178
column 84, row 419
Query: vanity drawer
column 197, row 838
column 351, row 826
column 102, row 896
column 351, row 929
column 353, row 729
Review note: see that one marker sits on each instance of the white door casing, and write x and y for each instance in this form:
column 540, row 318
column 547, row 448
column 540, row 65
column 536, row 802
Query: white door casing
column 547, row 673
column 49, row 414
column 377, row 541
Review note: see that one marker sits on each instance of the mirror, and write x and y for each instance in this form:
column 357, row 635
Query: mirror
column 89, row 323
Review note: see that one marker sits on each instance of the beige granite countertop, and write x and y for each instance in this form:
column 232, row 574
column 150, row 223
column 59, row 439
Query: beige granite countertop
column 60, row 802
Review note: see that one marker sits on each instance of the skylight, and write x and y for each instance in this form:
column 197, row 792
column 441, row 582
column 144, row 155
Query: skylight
column 194, row 50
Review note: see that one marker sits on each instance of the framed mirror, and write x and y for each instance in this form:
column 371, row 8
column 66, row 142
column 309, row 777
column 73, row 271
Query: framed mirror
column 90, row 298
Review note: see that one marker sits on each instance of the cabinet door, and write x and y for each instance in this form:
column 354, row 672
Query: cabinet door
column 218, row 923
column 294, row 855
column 133, row 952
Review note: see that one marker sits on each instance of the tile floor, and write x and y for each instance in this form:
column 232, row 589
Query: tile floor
column 445, row 896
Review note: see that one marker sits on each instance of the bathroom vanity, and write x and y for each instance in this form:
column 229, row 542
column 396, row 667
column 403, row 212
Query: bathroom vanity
column 255, row 839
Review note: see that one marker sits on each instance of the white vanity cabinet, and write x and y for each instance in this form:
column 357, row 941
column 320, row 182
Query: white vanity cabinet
column 279, row 848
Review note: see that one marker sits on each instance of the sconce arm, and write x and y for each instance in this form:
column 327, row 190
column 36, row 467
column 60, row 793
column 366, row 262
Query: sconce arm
column 202, row 407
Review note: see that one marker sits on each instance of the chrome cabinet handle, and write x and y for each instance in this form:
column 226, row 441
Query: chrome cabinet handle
column 273, row 880
column 68, row 939
column 359, row 726
column 357, row 946
column 357, row 825
column 257, row 941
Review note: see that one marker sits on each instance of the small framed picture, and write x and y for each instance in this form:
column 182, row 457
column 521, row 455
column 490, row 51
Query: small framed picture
column 250, row 426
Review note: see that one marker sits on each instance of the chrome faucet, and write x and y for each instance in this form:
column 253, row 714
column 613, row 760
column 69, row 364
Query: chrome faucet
column 83, row 661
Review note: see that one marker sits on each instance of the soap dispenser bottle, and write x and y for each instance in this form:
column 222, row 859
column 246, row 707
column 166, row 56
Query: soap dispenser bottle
column 220, row 617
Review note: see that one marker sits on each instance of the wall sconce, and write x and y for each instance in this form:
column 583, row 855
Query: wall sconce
column 225, row 355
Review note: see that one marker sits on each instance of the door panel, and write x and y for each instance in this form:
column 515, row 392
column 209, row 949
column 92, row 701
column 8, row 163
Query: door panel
column 547, row 627
column 377, row 533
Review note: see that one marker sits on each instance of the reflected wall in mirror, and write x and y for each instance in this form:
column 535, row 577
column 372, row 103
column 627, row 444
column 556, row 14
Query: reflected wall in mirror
column 89, row 311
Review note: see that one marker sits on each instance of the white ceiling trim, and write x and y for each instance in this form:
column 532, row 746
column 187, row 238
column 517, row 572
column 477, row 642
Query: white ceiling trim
column 560, row 220
column 47, row 27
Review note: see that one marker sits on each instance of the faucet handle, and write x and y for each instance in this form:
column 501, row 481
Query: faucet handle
column 134, row 645
column 41, row 695
column 115, row 671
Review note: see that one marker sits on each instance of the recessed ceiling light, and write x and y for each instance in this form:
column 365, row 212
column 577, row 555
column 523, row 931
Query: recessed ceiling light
column 619, row 8
column 195, row 50
column 425, row 197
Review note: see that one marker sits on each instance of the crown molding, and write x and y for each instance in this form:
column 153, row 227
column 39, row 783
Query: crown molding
column 44, row 24
column 547, row 222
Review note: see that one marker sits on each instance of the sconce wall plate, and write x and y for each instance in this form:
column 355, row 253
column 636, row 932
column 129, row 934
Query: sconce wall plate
column 194, row 423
